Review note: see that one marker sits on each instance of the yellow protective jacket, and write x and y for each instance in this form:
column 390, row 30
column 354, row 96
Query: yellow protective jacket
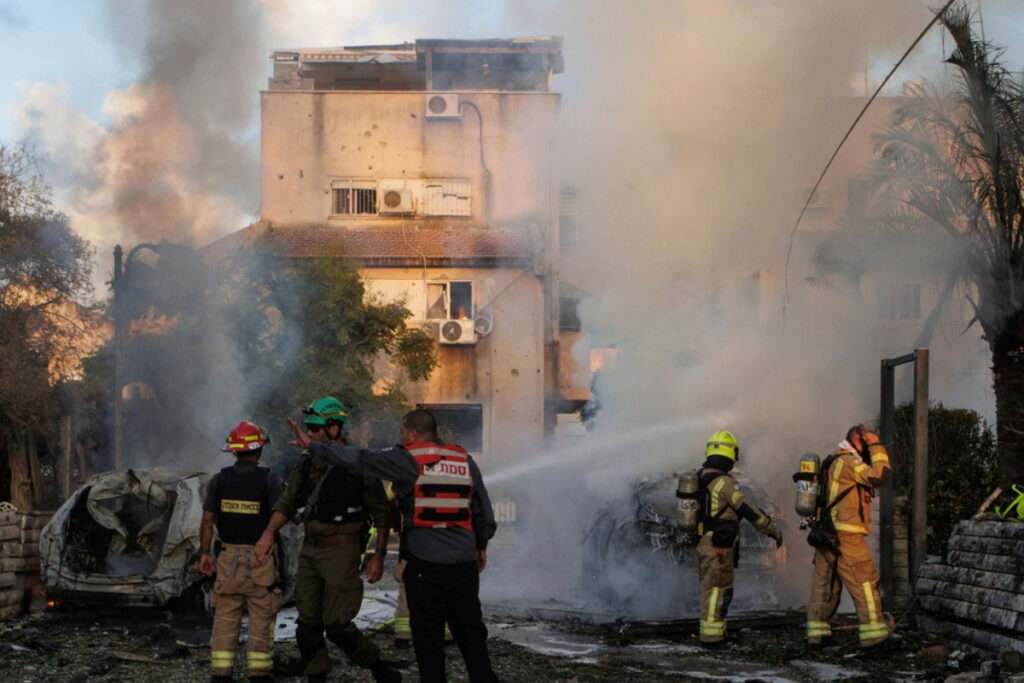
column 852, row 482
column 727, row 502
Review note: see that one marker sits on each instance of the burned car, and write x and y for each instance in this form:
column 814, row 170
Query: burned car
column 132, row 537
column 637, row 558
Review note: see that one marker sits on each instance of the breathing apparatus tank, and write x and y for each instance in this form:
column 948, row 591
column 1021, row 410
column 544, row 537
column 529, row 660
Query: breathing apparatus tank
column 807, row 487
column 689, row 503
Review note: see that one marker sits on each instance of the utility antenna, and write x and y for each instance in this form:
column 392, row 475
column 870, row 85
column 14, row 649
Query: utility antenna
column 828, row 165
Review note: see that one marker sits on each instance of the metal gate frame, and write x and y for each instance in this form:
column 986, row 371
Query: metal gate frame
column 919, row 493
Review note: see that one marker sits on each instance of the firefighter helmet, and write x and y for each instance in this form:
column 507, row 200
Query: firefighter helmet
column 246, row 436
column 722, row 443
column 325, row 411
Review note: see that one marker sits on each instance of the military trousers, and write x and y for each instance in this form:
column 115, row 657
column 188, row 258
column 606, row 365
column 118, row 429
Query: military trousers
column 328, row 594
column 854, row 568
column 716, row 572
column 244, row 584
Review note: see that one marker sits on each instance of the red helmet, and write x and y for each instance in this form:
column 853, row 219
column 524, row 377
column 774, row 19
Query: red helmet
column 246, row 436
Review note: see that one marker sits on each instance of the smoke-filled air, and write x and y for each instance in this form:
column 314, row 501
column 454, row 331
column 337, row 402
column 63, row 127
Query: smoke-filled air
column 692, row 133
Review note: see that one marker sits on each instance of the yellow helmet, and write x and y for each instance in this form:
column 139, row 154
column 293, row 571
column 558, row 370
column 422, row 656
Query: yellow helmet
column 722, row 443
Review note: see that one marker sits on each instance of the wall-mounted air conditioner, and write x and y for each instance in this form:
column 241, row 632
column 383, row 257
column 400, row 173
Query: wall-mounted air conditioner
column 442, row 106
column 456, row 332
column 395, row 200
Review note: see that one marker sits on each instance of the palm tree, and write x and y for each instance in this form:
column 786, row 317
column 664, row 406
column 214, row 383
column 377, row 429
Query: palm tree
column 950, row 174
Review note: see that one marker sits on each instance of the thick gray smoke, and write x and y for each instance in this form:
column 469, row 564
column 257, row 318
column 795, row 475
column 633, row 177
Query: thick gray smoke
column 693, row 134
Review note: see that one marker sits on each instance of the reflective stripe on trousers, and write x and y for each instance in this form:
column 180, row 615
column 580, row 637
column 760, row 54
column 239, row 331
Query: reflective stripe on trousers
column 713, row 626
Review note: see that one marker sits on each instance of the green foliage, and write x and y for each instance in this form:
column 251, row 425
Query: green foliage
column 257, row 336
column 961, row 466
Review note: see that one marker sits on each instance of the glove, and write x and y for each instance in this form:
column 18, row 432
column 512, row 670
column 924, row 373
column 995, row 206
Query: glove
column 870, row 438
column 773, row 531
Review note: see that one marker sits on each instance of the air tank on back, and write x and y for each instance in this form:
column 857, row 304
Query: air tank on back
column 689, row 505
column 807, row 486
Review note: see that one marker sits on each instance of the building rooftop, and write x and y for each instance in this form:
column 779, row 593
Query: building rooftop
column 514, row 64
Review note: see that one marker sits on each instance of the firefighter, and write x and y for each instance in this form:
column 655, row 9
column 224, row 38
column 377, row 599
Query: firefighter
column 723, row 506
column 238, row 502
column 841, row 557
column 334, row 505
column 448, row 521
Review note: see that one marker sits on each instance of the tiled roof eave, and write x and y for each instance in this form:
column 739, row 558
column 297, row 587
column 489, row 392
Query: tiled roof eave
column 434, row 262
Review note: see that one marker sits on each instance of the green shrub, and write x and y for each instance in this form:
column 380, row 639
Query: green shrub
column 961, row 466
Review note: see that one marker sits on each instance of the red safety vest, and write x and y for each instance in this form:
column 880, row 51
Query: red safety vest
column 444, row 487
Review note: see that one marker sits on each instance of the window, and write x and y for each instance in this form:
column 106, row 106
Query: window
column 568, row 315
column 459, row 423
column 567, row 232
column 353, row 197
column 447, row 197
column 450, row 300
column 910, row 302
column 899, row 302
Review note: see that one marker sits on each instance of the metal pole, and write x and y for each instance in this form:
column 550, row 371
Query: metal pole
column 919, row 525
column 886, row 428
column 118, row 341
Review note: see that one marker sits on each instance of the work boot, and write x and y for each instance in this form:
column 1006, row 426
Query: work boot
column 821, row 643
column 887, row 646
column 383, row 673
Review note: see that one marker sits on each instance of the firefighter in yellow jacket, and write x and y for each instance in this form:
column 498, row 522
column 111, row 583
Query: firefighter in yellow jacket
column 848, row 479
column 723, row 506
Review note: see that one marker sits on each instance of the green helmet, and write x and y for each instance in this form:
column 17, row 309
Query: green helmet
column 325, row 411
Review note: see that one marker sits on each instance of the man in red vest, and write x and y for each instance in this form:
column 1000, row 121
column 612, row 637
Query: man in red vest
column 448, row 521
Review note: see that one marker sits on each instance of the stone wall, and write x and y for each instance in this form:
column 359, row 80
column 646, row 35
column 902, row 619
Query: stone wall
column 976, row 596
column 19, row 560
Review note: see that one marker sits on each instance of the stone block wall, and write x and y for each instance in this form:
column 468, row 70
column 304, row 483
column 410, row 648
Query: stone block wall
column 976, row 596
column 19, row 560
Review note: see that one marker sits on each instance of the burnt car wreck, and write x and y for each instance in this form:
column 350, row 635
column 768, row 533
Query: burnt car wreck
column 132, row 537
column 638, row 560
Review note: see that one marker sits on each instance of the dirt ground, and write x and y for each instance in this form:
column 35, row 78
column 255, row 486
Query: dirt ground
column 106, row 644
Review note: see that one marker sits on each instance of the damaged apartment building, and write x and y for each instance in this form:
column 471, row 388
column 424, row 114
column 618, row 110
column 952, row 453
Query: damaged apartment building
column 431, row 165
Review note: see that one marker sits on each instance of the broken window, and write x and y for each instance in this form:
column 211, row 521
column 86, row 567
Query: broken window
column 451, row 197
column 459, row 423
column 353, row 197
column 451, row 300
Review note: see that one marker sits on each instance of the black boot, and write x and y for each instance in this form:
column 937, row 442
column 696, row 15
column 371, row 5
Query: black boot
column 382, row 673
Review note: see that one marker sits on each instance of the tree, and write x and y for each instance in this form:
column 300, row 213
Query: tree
column 252, row 336
column 44, row 275
column 950, row 177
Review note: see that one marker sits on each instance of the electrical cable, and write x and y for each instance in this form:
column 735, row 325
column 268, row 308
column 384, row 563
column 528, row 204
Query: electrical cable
column 810, row 195
column 480, row 122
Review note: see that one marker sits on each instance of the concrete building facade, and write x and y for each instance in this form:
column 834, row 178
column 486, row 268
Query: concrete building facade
column 431, row 166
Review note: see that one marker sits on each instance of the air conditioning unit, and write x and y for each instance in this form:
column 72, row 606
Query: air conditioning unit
column 456, row 332
column 395, row 200
column 442, row 106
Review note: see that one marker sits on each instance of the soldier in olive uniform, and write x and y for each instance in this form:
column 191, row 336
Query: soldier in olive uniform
column 334, row 505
